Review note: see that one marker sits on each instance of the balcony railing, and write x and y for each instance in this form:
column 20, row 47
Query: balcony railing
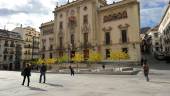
column 27, row 46
column 124, row 41
column 107, row 43
column 12, row 45
column 12, row 52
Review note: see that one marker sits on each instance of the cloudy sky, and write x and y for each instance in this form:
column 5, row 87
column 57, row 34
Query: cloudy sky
column 13, row 13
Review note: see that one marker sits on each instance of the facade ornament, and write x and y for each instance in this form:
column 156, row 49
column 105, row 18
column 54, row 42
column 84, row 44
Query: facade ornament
column 107, row 29
column 115, row 16
column 123, row 26
column 86, row 28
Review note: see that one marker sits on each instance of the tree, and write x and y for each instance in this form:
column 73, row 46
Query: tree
column 50, row 61
column 78, row 58
column 94, row 57
column 40, row 61
column 62, row 59
column 119, row 55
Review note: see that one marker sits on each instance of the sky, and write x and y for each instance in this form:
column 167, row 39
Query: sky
column 13, row 13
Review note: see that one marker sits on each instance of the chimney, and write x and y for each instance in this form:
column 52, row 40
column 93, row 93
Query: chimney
column 21, row 25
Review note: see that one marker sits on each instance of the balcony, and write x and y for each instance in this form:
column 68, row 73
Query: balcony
column 35, row 47
column 124, row 41
column 27, row 46
column 12, row 45
column 107, row 42
column 12, row 52
column 60, row 48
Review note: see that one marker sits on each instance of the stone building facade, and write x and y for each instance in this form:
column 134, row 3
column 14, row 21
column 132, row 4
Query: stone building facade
column 10, row 50
column 84, row 25
column 164, row 31
column 47, row 40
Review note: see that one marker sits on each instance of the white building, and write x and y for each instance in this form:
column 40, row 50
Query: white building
column 155, row 40
column 164, row 29
column 30, row 48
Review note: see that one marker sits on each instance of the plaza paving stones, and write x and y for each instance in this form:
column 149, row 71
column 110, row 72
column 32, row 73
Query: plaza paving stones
column 86, row 85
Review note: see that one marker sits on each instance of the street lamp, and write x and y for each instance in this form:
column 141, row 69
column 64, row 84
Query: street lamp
column 69, row 52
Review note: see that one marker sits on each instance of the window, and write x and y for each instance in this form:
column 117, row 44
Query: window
column 107, row 53
column 51, row 55
column 107, row 38
column 5, row 57
column 6, row 43
column 61, row 25
column 51, row 47
column 124, row 36
column 43, row 47
column 85, row 38
column 85, row 8
column 125, row 50
column 12, row 44
column 61, row 42
column 85, row 19
column 157, row 48
column 156, row 35
column 156, row 43
column 43, row 56
column 72, row 40
column 11, row 57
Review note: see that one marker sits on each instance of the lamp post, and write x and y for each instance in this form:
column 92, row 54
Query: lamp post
column 69, row 51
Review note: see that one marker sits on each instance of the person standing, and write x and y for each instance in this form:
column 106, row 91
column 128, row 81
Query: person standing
column 26, row 73
column 103, row 66
column 146, row 71
column 43, row 70
column 142, row 61
column 71, row 70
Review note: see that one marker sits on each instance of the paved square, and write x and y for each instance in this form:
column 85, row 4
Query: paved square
column 87, row 85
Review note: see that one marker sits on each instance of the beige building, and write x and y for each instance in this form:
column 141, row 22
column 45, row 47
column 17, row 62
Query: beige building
column 47, row 40
column 10, row 50
column 164, row 29
column 155, row 40
column 30, row 48
column 84, row 25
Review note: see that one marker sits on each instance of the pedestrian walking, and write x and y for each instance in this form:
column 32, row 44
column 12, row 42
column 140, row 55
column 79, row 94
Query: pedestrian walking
column 103, row 66
column 142, row 61
column 43, row 70
column 26, row 73
column 71, row 70
column 146, row 70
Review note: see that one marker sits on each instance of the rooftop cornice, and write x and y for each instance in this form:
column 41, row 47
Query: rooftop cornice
column 117, row 4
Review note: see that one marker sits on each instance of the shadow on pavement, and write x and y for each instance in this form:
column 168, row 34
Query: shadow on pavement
column 160, row 82
column 56, row 85
column 36, row 89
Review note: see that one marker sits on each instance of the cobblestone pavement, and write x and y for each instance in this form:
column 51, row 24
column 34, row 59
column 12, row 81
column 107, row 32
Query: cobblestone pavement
column 90, row 84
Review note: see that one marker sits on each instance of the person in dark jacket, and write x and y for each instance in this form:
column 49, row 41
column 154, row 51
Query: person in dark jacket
column 142, row 61
column 146, row 71
column 43, row 70
column 71, row 70
column 26, row 73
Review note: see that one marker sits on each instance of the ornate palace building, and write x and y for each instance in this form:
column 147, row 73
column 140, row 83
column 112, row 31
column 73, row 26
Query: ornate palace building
column 84, row 25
